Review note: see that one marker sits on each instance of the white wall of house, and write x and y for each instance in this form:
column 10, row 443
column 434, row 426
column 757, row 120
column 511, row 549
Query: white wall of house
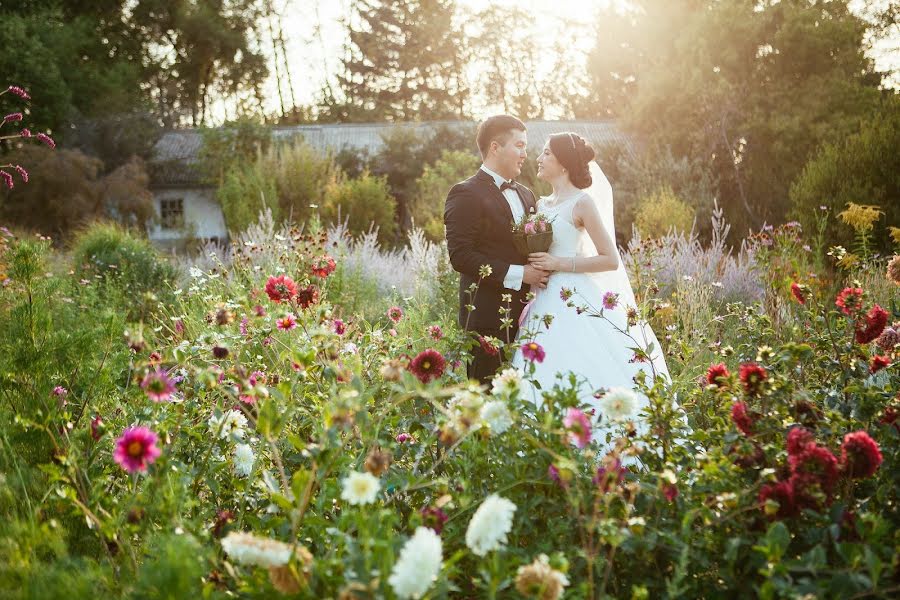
column 202, row 217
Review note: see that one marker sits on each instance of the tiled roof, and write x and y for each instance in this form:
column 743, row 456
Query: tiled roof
column 177, row 152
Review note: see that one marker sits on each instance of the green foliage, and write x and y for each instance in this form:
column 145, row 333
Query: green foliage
column 301, row 176
column 863, row 168
column 365, row 203
column 428, row 205
column 121, row 260
column 662, row 212
column 172, row 569
column 246, row 190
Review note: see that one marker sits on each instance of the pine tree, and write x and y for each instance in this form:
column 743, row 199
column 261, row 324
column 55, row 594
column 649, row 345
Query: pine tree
column 403, row 63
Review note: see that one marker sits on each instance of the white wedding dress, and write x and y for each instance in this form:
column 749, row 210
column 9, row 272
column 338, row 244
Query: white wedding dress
column 590, row 347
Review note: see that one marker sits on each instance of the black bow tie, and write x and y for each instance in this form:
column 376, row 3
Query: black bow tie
column 508, row 185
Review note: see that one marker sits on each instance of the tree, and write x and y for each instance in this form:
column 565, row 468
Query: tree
column 403, row 63
column 427, row 207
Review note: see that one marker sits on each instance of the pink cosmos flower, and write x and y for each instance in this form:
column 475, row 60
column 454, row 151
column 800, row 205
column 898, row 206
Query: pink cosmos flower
column 158, row 386
column 533, row 351
column 286, row 323
column 395, row 313
column 610, row 300
column 579, row 427
column 136, row 449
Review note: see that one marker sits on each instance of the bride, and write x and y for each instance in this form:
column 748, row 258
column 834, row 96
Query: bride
column 586, row 271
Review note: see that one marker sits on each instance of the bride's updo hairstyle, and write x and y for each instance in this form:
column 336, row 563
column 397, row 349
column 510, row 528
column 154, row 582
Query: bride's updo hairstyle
column 574, row 154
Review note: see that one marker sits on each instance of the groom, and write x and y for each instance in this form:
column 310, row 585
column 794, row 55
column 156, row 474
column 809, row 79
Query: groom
column 479, row 214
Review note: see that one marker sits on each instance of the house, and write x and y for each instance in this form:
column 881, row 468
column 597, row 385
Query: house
column 187, row 206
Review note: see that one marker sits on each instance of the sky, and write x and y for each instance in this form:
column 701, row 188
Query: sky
column 313, row 52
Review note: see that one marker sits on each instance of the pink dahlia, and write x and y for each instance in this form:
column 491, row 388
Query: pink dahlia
column 849, row 300
column 158, row 386
column 281, row 289
column 395, row 313
column 610, row 300
column 136, row 449
column 286, row 323
column 579, row 427
column 533, row 351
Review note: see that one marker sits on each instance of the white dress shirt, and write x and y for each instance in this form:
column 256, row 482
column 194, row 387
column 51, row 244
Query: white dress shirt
column 513, row 278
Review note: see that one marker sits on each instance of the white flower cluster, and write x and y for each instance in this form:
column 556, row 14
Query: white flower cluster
column 248, row 549
column 507, row 382
column 497, row 416
column 418, row 565
column 490, row 524
column 243, row 459
column 231, row 423
column 619, row 404
column 360, row 488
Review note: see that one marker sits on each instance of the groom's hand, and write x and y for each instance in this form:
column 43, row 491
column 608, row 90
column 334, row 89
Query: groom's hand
column 535, row 276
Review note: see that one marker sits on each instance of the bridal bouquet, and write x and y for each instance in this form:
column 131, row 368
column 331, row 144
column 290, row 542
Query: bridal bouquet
column 532, row 233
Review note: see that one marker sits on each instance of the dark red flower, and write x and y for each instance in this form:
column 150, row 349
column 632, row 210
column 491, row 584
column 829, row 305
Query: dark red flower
column 860, row 455
column 752, row 377
column 97, row 428
column 670, row 491
column 718, row 375
column 307, row 296
column 323, row 266
column 890, row 417
column 433, row 518
column 742, row 419
column 427, row 365
column 876, row 320
column 799, row 292
column 220, row 351
column 878, row 363
column 488, row 348
column 781, row 492
column 798, row 439
column 610, row 475
column 814, row 467
column 281, row 288
column 849, row 300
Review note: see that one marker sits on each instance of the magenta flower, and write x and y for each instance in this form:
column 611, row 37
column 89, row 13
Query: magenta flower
column 12, row 117
column 60, row 392
column 579, row 427
column 25, row 133
column 22, row 173
column 14, row 89
column 395, row 313
column 610, row 300
column 435, row 332
column 46, row 139
column 286, row 323
column 403, row 438
column 7, row 179
column 529, row 228
column 533, row 351
column 339, row 326
column 158, row 386
column 243, row 326
column 136, row 449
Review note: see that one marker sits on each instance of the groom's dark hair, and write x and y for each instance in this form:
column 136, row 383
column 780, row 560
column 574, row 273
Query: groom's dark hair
column 496, row 128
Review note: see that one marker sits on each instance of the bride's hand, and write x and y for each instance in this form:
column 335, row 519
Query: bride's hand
column 544, row 261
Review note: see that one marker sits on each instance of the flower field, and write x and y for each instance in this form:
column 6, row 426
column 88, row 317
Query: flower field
column 291, row 417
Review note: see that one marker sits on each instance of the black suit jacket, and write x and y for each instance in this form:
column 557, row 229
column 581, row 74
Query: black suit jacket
column 479, row 232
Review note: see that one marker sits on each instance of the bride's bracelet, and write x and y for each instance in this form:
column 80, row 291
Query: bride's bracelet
column 573, row 265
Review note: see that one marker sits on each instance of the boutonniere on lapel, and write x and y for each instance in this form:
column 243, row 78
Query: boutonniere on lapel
column 532, row 233
column 531, row 210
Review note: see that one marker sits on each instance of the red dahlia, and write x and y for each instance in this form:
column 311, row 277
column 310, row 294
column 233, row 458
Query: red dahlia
column 878, row 363
column 799, row 292
column 798, row 439
column 307, row 296
column 323, row 266
column 860, row 455
column 718, row 375
column 488, row 348
column 782, row 493
column 427, row 365
column 752, row 377
column 742, row 419
column 281, row 288
column 849, row 300
column 876, row 320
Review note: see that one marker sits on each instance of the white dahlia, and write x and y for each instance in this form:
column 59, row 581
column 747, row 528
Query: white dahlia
column 243, row 459
column 360, row 488
column 248, row 549
column 507, row 382
column 496, row 414
column 230, row 423
column 619, row 404
column 418, row 565
column 490, row 524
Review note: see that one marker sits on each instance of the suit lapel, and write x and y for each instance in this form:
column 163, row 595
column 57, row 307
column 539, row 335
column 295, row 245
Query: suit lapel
column 527, row 203
column 487, row 182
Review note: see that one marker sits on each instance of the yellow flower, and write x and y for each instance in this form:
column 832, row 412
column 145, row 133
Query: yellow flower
column 861, row 217
column 895, row 234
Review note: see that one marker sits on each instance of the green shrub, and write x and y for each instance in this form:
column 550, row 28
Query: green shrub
column 365, row 203
column 120, row 259
column 301, row 176
column 432, row 187
column 245, row 192
column 662, row 212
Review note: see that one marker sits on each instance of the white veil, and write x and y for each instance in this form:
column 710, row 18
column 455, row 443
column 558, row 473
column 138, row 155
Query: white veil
column 600, row 191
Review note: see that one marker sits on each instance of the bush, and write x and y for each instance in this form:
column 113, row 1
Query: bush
column 862, row 169
column 123, row 261
column 431, row 190
column 247, row 190
column 662, row 212
column 301, row 177
column 366, row 204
